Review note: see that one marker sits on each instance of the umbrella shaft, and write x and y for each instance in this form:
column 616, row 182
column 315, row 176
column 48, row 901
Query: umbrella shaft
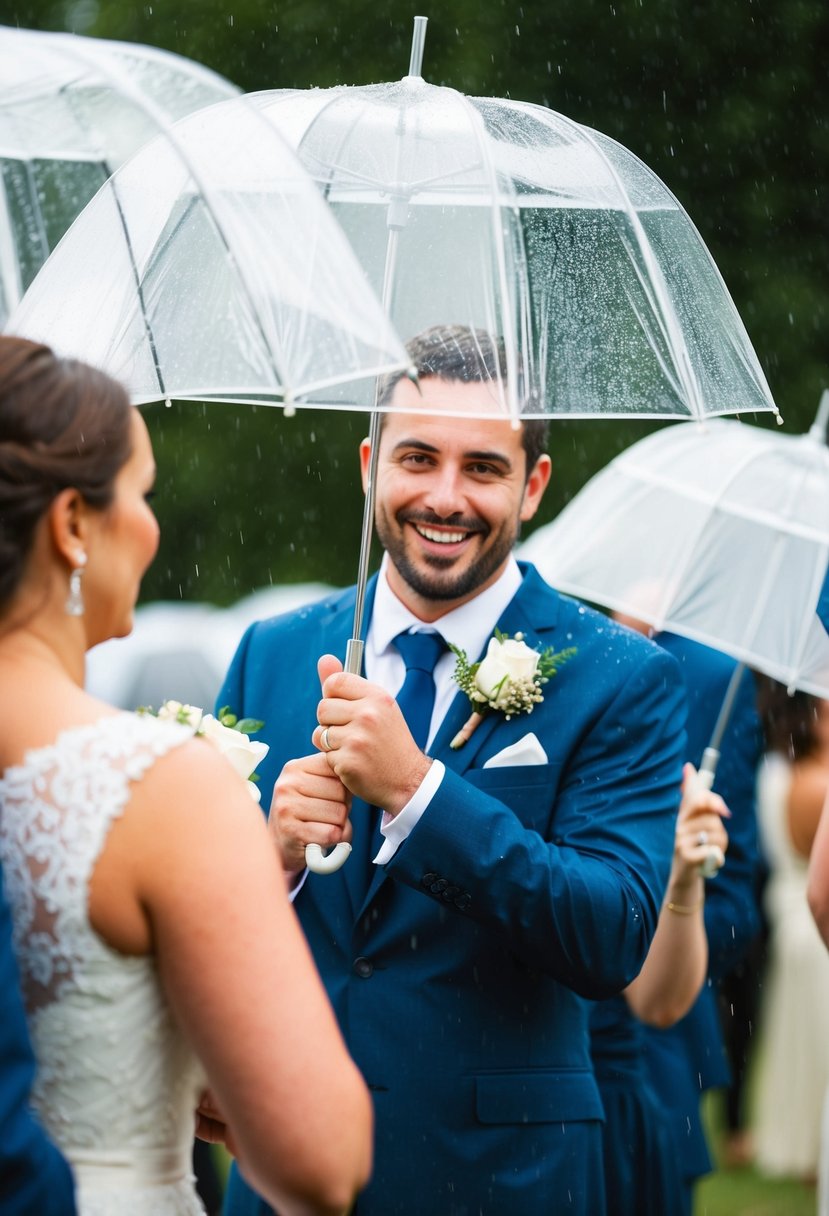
column 354, row 653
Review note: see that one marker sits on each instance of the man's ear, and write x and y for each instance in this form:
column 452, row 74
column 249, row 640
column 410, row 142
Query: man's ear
column 69, row 525
column 537, row 483
column 365, row 457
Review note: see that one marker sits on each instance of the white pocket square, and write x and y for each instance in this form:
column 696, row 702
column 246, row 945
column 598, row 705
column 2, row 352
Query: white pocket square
column 527, row 750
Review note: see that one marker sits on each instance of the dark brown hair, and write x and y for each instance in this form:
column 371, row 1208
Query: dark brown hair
column 62, row 423
column 455, row 352
column 789, row 722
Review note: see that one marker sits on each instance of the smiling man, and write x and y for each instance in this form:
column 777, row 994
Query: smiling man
column 491, row 886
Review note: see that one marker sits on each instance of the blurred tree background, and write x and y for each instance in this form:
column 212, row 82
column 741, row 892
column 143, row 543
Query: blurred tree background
column 724, row 102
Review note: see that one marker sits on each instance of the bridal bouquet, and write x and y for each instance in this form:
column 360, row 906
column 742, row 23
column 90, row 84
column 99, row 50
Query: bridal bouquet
column 227, row 733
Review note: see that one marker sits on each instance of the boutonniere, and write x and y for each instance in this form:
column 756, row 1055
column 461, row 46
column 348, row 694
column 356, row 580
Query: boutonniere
column 509, row 679
column 227, row 733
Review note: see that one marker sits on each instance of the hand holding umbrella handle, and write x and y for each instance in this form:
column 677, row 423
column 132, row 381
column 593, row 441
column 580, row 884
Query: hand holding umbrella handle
column 316, row 860
column 715, row 858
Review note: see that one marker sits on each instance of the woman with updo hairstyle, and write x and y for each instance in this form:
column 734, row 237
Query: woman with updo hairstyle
column 164, row 974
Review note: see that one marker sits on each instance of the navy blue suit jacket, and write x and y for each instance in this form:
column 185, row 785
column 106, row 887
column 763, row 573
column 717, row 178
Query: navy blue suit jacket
column 34, row 1178
column 457, row 969
column 690, row 1057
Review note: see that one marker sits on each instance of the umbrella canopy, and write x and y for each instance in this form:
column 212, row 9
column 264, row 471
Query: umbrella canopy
column 508, row 217
column 719, row 532
column 209, row 268
column 72, row 110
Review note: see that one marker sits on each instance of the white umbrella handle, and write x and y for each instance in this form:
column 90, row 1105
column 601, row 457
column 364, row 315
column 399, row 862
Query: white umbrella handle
column 715, row 858
column 316, row 860
column 326, row 863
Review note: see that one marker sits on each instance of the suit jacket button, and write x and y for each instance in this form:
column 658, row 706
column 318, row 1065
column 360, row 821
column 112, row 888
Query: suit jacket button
column 438, row 887
column 463, row 901
column 363, row 967
column 428, row 879
column 450, row 893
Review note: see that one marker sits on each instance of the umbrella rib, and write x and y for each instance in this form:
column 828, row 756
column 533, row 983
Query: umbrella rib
column 684, row 559
column 512, row 377
column 166, row 129
column 139, row 287
column 697, row 494
column 774, row 559
column 10, row 278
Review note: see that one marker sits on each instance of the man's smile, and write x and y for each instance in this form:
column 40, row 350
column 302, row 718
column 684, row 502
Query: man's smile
column 441, row 538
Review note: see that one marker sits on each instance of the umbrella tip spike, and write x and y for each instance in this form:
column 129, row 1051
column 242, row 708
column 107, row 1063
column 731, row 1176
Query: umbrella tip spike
column 289, row 409
column 411, row 374
column 418, row 41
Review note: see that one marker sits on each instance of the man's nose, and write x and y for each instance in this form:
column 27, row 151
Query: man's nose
column 445, row 494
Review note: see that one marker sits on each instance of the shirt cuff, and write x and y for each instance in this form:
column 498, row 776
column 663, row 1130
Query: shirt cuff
column 397, row 829
column 297, row 877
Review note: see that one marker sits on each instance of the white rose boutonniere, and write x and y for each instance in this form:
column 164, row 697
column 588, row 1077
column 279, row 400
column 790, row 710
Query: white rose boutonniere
column 509, row 678
column 227, row 733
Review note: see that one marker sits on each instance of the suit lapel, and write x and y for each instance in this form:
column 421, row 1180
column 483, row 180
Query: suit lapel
column 532, row 611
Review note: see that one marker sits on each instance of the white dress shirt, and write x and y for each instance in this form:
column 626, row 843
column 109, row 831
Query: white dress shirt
column 468, row 627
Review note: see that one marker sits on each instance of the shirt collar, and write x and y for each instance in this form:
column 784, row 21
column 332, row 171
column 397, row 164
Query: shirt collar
column 468, row 627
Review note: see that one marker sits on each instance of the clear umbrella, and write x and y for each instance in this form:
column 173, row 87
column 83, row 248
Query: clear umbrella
column 717, row 531
column 72, row 110
column 508, row 217
column 209, row 268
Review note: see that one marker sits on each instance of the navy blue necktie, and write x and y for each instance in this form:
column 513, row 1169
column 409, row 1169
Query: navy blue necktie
column 416, row 698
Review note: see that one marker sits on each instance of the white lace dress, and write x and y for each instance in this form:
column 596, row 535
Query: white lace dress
column 117, row 1083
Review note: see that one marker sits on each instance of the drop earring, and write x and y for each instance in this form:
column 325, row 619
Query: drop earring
column 74, row 601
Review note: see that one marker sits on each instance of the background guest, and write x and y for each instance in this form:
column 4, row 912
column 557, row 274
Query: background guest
column 794, row 1067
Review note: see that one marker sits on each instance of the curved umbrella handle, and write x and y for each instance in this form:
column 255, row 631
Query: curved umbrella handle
column 326, row 863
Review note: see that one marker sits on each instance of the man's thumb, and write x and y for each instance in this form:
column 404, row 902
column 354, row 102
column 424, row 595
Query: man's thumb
column 327, row 666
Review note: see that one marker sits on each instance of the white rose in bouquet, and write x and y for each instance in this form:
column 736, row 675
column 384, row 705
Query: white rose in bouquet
column 226, row 733
column 175, row 711
column 244, row 753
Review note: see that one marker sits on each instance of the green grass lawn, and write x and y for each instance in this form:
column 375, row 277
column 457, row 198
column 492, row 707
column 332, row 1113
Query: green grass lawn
column 745, row 1192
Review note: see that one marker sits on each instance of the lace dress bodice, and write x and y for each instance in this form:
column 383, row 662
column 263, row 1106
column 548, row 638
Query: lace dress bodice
column 117, row 1083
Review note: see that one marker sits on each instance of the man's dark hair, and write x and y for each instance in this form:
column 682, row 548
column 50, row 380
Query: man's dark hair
column 456, row 352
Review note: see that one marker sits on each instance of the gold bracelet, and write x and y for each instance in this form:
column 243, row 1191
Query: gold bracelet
column 686, row 911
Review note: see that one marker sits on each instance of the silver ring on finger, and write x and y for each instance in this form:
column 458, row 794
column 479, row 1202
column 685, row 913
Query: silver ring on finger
column 702, row 837
column 325, row 740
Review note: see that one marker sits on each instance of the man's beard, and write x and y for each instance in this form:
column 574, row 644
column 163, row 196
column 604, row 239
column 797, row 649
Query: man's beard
column 433, row 587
